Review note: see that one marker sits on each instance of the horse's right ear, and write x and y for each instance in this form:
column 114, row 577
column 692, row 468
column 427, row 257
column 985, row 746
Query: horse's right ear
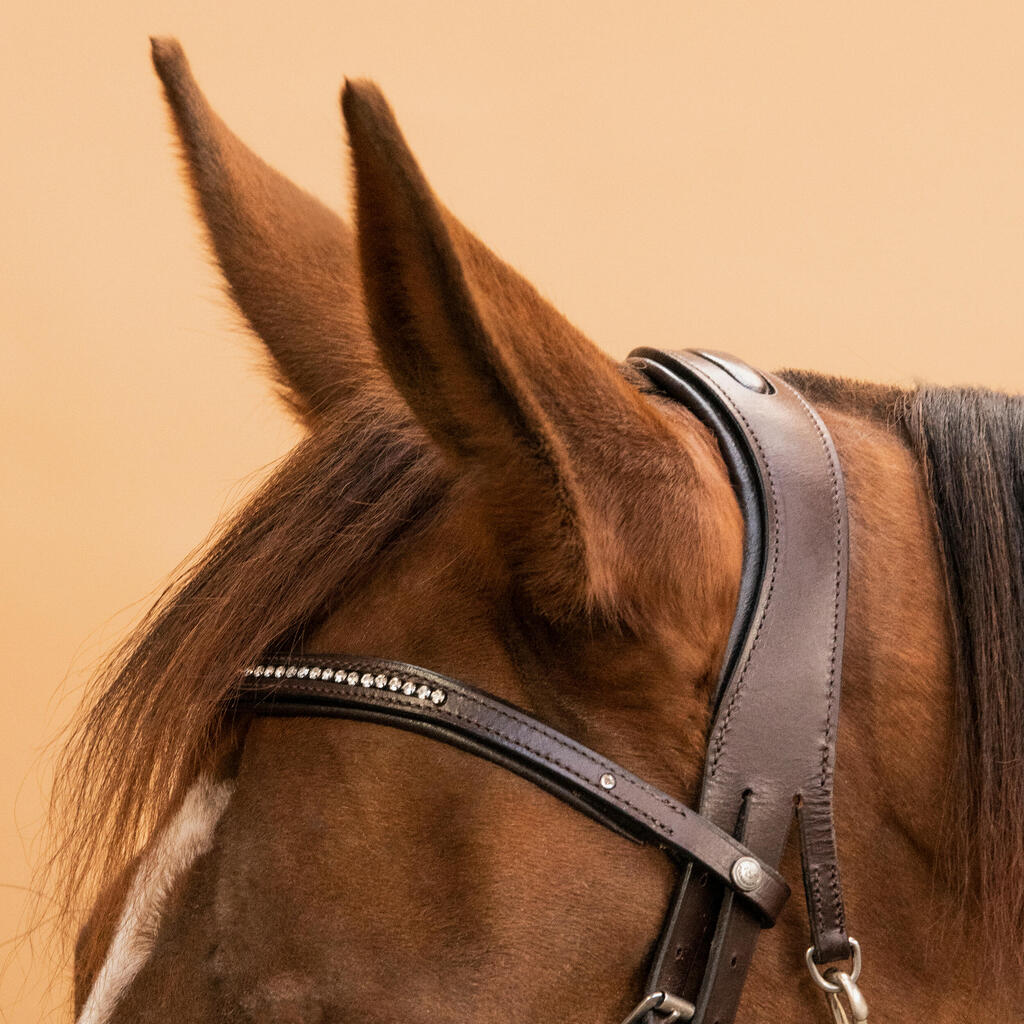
column 289, row 261
column 584, row 483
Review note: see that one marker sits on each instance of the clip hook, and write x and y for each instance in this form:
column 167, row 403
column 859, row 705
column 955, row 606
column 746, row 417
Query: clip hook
column 665, row 1003
column 835, row 982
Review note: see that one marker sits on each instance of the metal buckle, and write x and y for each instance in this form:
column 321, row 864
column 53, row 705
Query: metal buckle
column 672, row 1006
column 835, row 982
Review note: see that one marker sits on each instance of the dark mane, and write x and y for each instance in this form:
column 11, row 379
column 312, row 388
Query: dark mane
column 970, row 445
column 350, row 494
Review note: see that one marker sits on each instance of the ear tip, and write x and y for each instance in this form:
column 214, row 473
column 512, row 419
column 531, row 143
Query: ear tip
column 183, row 95
column 171, row 65
column 364, row 105
column 168, row 54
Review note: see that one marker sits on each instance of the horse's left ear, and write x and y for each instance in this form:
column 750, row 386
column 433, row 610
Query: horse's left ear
column 595, row 496
column 289, row 261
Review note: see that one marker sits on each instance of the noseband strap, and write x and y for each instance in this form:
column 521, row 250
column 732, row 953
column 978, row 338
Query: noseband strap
column 773, row 735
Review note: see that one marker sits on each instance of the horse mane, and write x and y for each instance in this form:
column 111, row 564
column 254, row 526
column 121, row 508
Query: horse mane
column 969, row 443
column 354, row 492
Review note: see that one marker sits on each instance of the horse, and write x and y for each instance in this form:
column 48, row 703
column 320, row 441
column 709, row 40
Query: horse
column 481, row 490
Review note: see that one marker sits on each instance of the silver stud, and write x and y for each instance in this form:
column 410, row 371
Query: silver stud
column 279, row 671
column 314, row 673
column 328, row 674
column 746, row 874
column 394, row 683
column 352, row 678
column 423, row 692
column 303, row 672
column 367, row 679
column 409, row 688
column 380, row 682
column 258, row 670
column 607, row 781
column 438, row 696
column 291, row 671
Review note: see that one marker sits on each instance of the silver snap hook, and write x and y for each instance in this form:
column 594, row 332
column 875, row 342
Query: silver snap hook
column 835, row 983
column 669, row 1008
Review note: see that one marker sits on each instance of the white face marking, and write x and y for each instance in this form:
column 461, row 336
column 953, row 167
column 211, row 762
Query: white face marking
column 187, row 837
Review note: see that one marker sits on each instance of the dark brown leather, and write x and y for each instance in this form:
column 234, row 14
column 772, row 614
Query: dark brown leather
column 468, row 718
column 772, row 743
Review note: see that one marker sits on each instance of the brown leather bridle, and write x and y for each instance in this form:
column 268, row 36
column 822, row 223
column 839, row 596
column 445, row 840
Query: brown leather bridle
column 772, row 742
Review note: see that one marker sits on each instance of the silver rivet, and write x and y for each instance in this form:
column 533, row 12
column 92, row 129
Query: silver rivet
column 258, row 670
column 279, row 671
column 438, row 696
column 303, row 672
column 366, row 679
column 291, row 671
column 423, row 692
column 409, row 688
column 607, row 781
column 328, row 673
column 352, row 678
column 314, row 673
column 394, row 683
column 380, row 682
column 747, row 874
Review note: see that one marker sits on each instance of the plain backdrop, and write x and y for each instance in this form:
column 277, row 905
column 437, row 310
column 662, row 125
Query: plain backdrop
column 827, row 185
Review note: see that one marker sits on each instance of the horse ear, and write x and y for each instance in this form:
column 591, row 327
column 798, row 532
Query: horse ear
column 565, row 450
column 289, row 262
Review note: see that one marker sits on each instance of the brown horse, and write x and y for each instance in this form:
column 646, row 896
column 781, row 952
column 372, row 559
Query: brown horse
column 483, row 492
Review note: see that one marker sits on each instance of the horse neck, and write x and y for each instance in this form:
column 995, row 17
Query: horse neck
column 896, row 741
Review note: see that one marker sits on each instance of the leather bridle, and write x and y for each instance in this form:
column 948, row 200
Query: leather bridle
column 772, row 741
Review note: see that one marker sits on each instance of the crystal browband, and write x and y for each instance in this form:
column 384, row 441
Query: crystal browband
column 350, row 677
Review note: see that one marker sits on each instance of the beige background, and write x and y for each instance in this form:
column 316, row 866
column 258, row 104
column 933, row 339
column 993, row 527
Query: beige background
column 838, row 186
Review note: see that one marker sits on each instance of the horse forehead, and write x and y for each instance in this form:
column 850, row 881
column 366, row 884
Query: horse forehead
column 390, row 843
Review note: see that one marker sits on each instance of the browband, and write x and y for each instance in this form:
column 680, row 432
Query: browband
column 772, row 742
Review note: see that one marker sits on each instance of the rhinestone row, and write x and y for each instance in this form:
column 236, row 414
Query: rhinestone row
column 341, row 675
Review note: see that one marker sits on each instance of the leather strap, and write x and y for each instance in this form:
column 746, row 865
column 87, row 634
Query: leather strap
column 772, row 741
column 415, row 698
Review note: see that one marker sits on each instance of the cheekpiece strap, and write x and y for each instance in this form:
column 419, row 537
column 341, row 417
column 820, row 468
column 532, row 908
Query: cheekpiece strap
column 773, row 737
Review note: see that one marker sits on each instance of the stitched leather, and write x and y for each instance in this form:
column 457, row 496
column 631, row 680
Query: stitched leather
column 772, row 743
column 490, row 727
column 743, row 472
